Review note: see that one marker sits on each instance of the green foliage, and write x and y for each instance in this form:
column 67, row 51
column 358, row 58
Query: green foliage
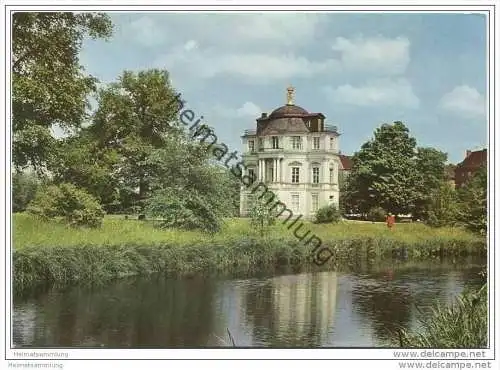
column 383, row 172
column 80, row 161
column 136, row 116
column 24, row 188
column 430, row 167
column 463, row 325
column 390, row 172
column 52, row 252
column 48, row 85
column 443, row 208
column 473, row 208
column 327, row 214
column 77, row 207
column 183, row 210
column 262, row 215
column 377, row 214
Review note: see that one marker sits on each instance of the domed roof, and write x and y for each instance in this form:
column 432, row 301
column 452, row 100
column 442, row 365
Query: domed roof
column 288, row 110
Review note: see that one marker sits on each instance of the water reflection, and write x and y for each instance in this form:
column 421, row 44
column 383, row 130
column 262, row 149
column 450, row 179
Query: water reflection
column 292, row 310
column 307, row 309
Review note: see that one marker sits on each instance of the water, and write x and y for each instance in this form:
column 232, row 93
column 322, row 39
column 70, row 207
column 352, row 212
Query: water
column 287, row 308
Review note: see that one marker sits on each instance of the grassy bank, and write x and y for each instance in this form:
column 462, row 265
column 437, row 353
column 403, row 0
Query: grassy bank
column 54, row 253
column 464, row 324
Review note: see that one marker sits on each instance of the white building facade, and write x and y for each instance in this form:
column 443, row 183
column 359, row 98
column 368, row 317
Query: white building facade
column 296, row 155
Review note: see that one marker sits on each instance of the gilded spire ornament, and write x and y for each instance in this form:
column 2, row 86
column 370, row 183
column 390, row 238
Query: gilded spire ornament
column 290, row 92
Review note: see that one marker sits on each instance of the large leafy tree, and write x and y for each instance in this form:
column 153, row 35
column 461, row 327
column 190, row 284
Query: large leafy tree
column 443, row 206
column 187, row 190
column 430, row 167
column 79, row 160
column 384, row 172
column 135, row 117
column 49, row 86
column 473, row 197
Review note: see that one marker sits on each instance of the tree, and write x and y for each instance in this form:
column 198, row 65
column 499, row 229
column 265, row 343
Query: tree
column 80, row 161
column 48, row 84
column 384, row 172
column 24, row 188
column 473, row 197
column 430, row 167
column 187, row 190
column 262, row 215
column 443, row 206
column 135, row 117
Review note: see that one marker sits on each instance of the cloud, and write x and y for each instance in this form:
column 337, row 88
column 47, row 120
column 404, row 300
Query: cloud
column 239, row 30
column 248, row 109
column 261, row 47
column 257, row 67
column 370, row 57
column 464, row 100
column 144, row 30
column 381, row 92
column 381, row 55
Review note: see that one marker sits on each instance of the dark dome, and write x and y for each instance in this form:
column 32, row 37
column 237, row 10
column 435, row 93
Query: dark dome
column 288, row 110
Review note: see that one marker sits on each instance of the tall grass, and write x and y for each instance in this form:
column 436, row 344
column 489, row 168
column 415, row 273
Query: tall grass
column 461, row 325
column 52, row 252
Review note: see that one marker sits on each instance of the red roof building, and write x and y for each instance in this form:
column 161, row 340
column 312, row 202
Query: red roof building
column 346, row 162
column 473, row 161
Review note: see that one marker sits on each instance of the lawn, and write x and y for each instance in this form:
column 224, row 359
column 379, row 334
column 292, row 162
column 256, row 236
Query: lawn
column 52, row 252
column 116, row 230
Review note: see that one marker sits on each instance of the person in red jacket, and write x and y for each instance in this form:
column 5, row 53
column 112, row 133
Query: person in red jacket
column 390, row 220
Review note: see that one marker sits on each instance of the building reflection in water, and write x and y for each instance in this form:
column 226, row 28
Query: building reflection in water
column 293, row 310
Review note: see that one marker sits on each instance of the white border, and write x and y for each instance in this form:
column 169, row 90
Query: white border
column 189, row 354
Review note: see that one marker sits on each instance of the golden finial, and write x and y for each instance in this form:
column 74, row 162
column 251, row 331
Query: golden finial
column 289, row 95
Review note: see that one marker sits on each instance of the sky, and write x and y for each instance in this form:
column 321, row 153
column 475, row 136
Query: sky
column 359, row 69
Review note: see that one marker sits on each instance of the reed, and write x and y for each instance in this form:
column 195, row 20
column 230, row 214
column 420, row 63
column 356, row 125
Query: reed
column 464, row 324
column 52, row 252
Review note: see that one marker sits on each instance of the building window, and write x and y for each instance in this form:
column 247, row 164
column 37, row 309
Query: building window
column 331, row 176
column 316, row 143
column 295, row 202
column 315, row 202
column 315, row 175
column 332, row 143
column 251, row 146
column 261, row 144
column 251, row 174
column 295, row 175
column 296, row 142
column 275, row 142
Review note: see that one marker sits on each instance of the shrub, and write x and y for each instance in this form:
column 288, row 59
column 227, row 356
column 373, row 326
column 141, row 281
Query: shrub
column 462, row 325
column 262, row 215
column 443, row 208
column 376, row 214
column 76, row 206
column 327, row 214
column 473, row 207
column 183, row 210
column 24, row 188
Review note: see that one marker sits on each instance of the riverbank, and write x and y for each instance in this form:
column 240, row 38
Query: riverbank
column 463, row 324
column 51, row 252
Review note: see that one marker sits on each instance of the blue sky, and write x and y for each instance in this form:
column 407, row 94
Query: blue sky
column 360, row 70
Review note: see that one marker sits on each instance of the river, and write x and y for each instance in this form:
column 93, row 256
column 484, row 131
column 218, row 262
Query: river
column 290, row 307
